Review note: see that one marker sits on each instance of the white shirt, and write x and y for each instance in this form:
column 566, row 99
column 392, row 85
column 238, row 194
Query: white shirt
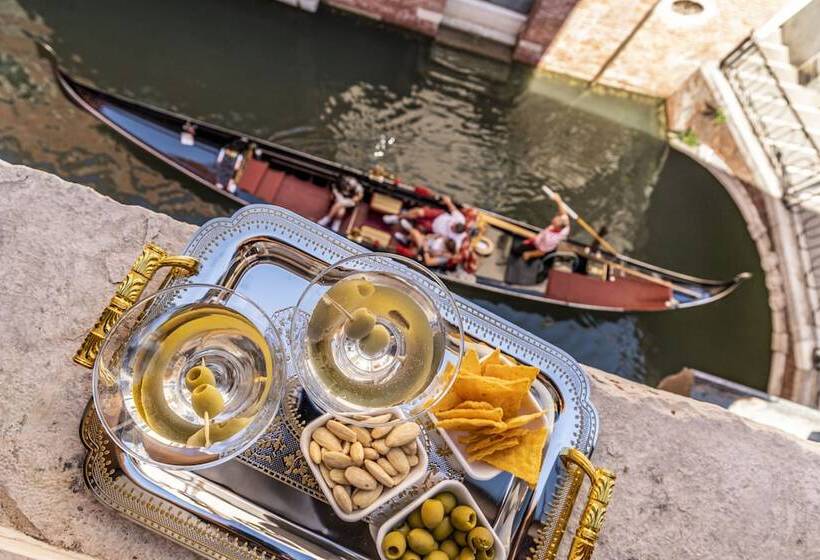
column 442, row 226
column 547, row 240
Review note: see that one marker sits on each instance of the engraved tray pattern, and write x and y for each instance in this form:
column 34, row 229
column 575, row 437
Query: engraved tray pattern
column 153, row 498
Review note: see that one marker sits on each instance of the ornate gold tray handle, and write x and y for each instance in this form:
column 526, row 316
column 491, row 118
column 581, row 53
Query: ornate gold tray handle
column 602, row 483
column 128, row 292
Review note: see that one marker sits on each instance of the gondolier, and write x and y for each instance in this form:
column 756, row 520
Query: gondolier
column 548, row 239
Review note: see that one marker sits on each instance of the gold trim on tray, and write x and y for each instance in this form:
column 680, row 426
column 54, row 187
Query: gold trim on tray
column 128, row 292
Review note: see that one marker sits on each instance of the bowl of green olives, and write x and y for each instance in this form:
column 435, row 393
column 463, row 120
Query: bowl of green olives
column 444, row 523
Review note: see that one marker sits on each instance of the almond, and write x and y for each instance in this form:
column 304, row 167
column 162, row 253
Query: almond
column 402, row 434
column 380, row 432
column 326, row 439
column 336, row 460
column 398, row 459
column 370, row 453
column 388, row 468
column 379, row 474
column 380, row 446
column 346, row 447
column 413, row 460
column 338, row 476
column 362, row 435
column 326, row 475
column 315, row 452
column 341, row 431
column 363, row 498
column 357, row 454
column 411, row 448
column 343, row 499
column 360, row 478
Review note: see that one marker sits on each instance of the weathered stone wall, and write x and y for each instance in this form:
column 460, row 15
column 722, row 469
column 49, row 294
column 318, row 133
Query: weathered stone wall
column 694, row 481
column 663, row 52
column 419, row 15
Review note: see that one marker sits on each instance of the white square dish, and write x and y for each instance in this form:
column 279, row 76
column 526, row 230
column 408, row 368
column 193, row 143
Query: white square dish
column 463, row 496
column 479, row 470
column 415, row 475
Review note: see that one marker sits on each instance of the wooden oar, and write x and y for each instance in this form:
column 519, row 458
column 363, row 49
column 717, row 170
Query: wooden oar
column 608, row 246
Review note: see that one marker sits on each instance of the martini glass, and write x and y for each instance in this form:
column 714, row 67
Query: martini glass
column 163, row 353
column 376, row 332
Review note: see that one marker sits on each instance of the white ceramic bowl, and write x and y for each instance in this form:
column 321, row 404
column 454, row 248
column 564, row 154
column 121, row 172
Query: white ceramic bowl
column 462, row 495
column 413, row 477
column 479, row 470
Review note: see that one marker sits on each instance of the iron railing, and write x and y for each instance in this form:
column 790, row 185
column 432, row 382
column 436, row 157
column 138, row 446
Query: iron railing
column 792, row 151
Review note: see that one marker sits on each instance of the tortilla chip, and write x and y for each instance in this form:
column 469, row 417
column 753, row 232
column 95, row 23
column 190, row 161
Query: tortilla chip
column 498, row 446
column 491, row 414
column 480, row 405
column 447, row 402
column 511, row 372
column 467, row 424
column 470, row 363
column 524, row 419
column 524, row 459
column 498, row 392
column 483, row 442
column 491, row 359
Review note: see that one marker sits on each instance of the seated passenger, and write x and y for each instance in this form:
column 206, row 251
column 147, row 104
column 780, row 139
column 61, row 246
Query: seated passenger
column 348, row 194
column 433, row 250
column 449, row 223
column 548, row 239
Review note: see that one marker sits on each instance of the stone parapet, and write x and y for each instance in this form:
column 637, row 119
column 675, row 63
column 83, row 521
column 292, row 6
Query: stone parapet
column 694, row 481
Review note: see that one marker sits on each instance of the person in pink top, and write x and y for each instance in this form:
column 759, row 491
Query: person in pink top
column 550, row 237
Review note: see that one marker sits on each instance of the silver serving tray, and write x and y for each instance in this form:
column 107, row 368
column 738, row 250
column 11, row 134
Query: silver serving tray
column 266, row 503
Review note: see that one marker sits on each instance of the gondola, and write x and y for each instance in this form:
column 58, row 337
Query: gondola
column 250, row 170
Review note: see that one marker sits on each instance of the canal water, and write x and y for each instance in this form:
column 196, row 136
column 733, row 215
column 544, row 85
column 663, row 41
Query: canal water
column 349, row 89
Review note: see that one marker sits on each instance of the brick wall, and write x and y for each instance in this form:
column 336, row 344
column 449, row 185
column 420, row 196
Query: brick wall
column 420, row 15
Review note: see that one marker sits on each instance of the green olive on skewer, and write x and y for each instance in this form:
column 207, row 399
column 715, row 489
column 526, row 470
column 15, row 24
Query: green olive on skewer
column 199, row 375
column 360, row 324
column 207, row 402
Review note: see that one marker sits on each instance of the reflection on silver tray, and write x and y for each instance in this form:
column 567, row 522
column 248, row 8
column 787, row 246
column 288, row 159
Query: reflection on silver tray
column 266, row 503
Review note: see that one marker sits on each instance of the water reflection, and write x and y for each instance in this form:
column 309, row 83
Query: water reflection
column 347, row 89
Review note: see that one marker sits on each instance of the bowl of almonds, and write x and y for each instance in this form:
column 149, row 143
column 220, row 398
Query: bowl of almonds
column 359, row 468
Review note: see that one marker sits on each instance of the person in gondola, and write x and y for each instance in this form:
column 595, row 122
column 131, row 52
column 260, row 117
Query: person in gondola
column 347, row 194
column 432, row 249
column 546, row 242
column 449, row 223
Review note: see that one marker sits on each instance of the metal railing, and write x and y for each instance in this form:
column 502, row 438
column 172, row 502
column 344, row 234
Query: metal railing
column 792, row 151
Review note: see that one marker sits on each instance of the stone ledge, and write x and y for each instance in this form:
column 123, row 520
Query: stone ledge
column 694, row 481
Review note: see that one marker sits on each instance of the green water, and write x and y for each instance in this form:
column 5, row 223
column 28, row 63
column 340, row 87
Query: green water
column 352, row 90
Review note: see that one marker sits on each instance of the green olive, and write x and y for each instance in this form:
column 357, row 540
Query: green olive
column 488, row 554
column 463, row 518
column 450, row 548
column 437, row 555
column 360, row 324
column 404, row 529
column 449, row 501
column 394, row 545
column 460, row 537
column 466, row 554
column 432, row 512
column 410, row 555
column 207, row 398
column 421, row 541
column 443, row 530
column 480, row 538
column 414, row 519
column 199, row 375
column 375, row 342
